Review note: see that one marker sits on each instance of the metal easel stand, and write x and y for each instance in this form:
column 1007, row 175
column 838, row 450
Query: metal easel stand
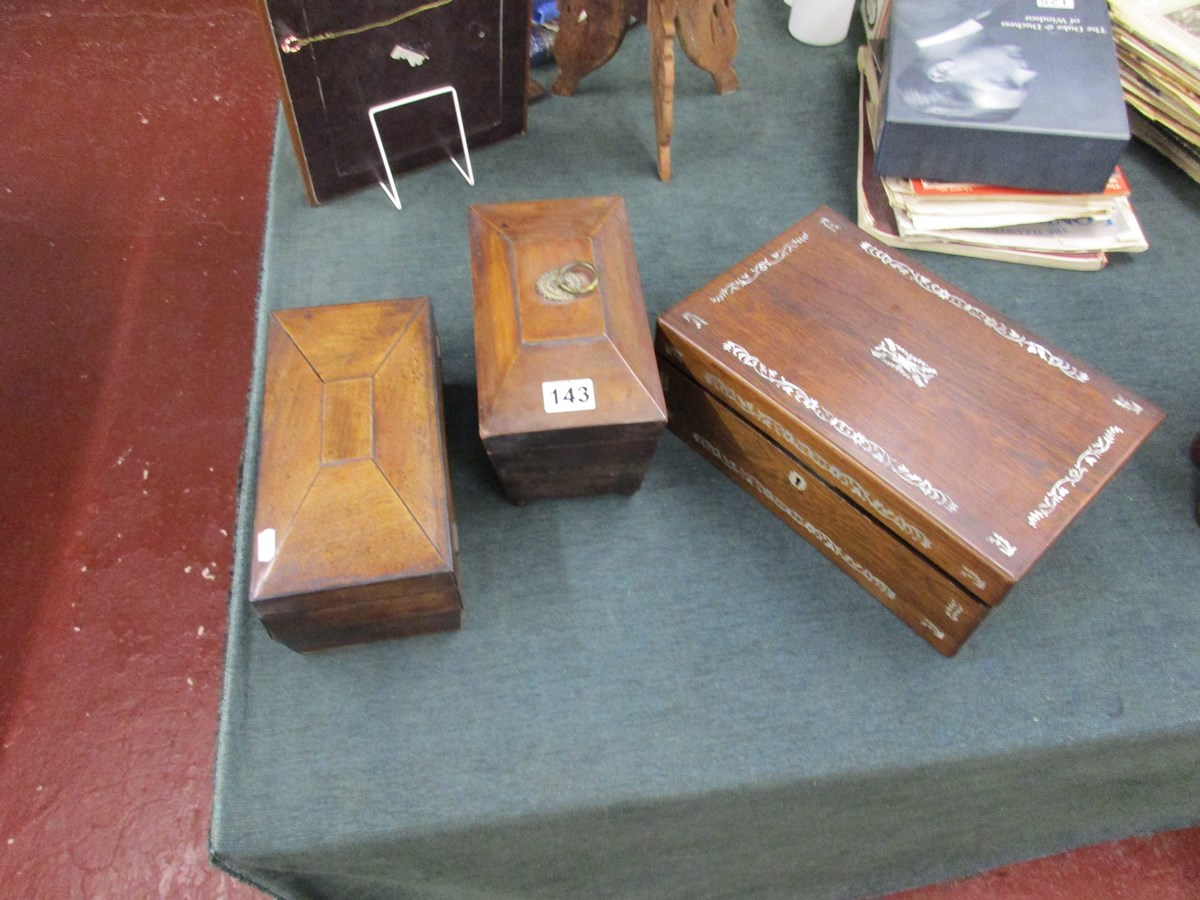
column 390, row 188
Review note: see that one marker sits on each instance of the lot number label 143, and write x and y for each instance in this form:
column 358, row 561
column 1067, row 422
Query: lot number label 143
column 572, row 395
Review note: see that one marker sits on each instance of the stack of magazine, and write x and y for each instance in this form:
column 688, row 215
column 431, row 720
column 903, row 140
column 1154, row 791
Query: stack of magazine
column 1158, row 47
column 1070, row 231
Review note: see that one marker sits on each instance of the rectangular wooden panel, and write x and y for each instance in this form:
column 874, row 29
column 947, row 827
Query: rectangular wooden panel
column 932, row 604
column 348, row 425
column 338, row 60
column 354, row 521
column 569, row 399
column 970, row 439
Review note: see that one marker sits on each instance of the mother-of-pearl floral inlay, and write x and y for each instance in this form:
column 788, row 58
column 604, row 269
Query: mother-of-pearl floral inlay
column 1005, row 331
column 1086, row 462
column 861, row 441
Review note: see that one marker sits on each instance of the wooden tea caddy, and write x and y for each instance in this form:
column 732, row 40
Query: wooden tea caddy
column 926, row 444
column 354, row 526
column 569, row 398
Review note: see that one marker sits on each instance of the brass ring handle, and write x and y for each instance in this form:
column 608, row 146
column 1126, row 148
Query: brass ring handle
column 568, row 282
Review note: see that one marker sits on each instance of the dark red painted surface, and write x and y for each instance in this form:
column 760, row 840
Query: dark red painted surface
column 133, row 155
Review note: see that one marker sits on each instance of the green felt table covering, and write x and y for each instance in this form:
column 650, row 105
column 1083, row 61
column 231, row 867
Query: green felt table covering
column 671, row 694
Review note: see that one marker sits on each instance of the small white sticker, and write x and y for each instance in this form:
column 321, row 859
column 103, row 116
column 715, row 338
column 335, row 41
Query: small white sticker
column 266, row 545
column 573, row 395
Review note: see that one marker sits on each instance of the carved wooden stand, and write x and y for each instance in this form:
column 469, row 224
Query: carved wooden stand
column 591, row 31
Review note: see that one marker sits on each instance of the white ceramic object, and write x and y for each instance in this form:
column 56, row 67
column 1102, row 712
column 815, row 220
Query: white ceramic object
column 820, row 22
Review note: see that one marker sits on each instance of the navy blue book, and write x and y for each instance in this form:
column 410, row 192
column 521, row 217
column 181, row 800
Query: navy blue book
column 1023, row 93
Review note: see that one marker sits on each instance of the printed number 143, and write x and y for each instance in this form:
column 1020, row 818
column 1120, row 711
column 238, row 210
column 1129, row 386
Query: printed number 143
column 571, row 395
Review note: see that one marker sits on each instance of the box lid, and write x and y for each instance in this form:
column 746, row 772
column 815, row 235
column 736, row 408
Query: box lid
column 562, row 340
column 352, row 477
column 1022, row 93
column 971, row 438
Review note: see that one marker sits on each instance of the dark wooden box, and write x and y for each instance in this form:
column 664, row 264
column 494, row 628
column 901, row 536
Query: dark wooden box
column 354, row 523
column 336, row 61
column 569, row 397
column 930, row 447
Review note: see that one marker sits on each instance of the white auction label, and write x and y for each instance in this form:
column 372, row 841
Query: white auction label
column 266, row 545
column 572, row 395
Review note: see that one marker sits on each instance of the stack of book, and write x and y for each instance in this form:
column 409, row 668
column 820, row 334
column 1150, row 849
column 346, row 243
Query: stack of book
column 1158, row 48
column 1021, row 225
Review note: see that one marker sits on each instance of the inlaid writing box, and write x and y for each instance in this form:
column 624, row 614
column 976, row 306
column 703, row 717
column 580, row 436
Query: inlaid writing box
column 569, row 397
column 930, row 447
column 354, row 524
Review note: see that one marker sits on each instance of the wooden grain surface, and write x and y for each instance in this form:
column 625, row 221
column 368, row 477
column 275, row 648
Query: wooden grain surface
column 937, row 608
column 590, row 32
column 525, row 340
column 963, row 434
column 353, row 517
column 709, row 37
column 661, row 22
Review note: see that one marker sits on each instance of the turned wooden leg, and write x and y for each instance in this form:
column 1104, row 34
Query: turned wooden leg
column 660, row 20
column 709, row 37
